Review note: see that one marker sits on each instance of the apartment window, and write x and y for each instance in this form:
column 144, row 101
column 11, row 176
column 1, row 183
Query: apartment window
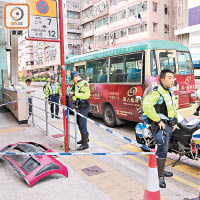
column 87, row 13
column 119, row 33
column 114, row 2
column 30, row 63
column 74, row 36
column 88, row 40
column 155, row 7
column 155, row 27
column 73, row 26
column 72, row 5
column 118, row 16
column 144, row 6
column 132, row 10
column 166, row 10
column 101, row 22
column 138, row 28
column 101, row 7
column 88, row 27
column 102, row 39
column 166, row 28
column 88, row 43
column 74, row 49
column 73, row 15
column 86, row 2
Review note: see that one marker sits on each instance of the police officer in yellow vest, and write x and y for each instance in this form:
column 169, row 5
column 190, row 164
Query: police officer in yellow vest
column 81, row 95
column 53, row 92
column 162, row 100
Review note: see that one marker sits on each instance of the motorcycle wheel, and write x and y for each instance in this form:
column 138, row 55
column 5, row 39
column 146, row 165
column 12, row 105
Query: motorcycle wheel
column 141, row 141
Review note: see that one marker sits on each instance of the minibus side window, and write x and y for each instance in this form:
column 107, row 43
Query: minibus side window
column 96, row 71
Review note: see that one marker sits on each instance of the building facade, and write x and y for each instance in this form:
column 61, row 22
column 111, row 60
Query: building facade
column 36, row 57
column 111, row 23
column 72, row 29
column 188, row 28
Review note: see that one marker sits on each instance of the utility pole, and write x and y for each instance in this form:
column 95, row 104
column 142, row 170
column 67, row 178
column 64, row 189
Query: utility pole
column 62, row 62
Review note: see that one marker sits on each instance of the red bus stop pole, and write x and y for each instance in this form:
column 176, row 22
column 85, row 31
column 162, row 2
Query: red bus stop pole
column 62, row 62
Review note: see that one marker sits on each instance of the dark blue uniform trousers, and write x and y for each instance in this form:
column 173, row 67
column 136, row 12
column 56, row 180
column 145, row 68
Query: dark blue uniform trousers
column 82, row 122
column 163, row 149
column 55, row 99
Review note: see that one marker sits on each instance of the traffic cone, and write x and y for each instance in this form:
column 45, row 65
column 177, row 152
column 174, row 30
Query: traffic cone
column 152, row 191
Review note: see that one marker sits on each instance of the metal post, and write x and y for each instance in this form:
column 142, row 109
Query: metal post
column 46, row 114
column 75, row 127
column 32, row 112
column 68, row 126
column 62, row 62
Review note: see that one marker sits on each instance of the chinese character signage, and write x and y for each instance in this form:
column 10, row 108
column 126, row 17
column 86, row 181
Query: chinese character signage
column 43, row 19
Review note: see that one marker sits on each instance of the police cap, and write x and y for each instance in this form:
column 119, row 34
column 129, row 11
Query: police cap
column 73, row 74
column 53, row 77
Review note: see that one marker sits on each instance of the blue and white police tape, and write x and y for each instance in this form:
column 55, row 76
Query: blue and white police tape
column 11, row 102
column 108, row 129
column 74, row 154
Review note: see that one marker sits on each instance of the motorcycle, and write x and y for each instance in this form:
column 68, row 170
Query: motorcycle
column 184, row 141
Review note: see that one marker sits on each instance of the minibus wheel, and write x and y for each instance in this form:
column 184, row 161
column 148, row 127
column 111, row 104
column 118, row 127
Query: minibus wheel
column 109, row 117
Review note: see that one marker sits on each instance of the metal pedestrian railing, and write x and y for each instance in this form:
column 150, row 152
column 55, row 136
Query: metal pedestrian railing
column 46, row 120
column 67, row 109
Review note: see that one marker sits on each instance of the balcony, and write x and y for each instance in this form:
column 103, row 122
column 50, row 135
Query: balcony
column 86, row 5
column 74, row 41
column 88, row 34
column 101, row 14
column 87, row 19
column 87, row 49
column 101, row 30
column 74, row 51
column 73, row 30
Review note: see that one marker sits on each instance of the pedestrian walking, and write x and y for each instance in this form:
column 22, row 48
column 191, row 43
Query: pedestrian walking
column 162, row 100
column 81, row 95
column 53, row 94
column 27, row 89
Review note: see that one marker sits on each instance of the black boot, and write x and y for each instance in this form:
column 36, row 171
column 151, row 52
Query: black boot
column 168, row 174
column 162, row 183
column 161, row 166
column 80, row 141
column 84, row 144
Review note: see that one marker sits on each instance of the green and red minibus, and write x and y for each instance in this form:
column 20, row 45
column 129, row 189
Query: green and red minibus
column 119, row 76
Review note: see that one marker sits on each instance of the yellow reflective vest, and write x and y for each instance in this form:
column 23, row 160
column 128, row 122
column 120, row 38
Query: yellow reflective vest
column 82, row 90
column 159, row 94
column 48, row 89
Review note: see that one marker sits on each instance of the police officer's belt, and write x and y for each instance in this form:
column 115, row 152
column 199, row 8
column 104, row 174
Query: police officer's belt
column 57, row 94
column 83, row 103
column 171, row 122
